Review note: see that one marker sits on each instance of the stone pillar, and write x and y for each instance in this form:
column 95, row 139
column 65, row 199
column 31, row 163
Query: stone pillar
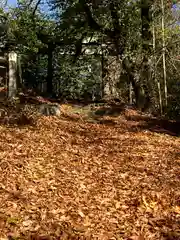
column 12, row 86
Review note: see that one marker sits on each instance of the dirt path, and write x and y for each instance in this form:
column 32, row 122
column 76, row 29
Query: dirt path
column 70, row 179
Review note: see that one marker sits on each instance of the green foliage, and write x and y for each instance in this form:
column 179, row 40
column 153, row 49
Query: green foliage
column 79, row 79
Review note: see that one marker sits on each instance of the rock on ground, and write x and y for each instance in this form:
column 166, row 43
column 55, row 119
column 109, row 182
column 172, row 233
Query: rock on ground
column 50, row 109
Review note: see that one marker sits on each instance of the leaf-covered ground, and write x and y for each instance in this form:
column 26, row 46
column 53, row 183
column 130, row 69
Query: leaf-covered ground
column 70, row 178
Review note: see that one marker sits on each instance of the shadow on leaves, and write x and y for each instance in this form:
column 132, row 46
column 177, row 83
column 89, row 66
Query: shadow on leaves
column 157, row 125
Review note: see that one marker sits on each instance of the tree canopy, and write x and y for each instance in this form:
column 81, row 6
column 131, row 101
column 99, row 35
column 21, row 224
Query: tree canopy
column 99, row 49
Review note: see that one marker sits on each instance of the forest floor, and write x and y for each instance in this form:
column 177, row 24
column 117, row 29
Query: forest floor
column 102, row 178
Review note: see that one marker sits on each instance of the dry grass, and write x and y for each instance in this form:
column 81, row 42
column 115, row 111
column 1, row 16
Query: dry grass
column 71, row 179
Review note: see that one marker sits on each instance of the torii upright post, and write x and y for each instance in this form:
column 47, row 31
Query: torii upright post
column 12, row 86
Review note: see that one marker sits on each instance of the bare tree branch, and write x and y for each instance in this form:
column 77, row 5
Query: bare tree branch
column 36, row 5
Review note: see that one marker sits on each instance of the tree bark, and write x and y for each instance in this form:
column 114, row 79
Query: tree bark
column 146, row 19
column 130, row 93
column 50, row 69
column 154, row 66
column 164, row 53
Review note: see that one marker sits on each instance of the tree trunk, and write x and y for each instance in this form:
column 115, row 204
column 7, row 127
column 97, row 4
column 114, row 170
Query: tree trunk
column 103, row 74
column 154, row 66
column 50, row 69
column 138, row 91
column 130, row 93
column 164, row 53
column 146, row 19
